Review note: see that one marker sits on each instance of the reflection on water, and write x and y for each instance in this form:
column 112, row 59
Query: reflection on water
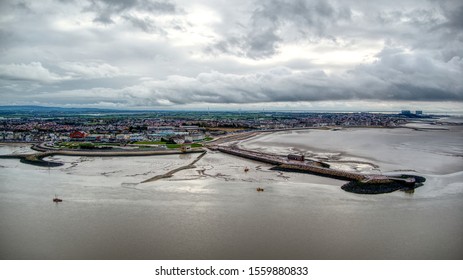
column 214, row 212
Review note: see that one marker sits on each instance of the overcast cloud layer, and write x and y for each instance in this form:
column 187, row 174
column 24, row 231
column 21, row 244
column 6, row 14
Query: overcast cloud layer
column 275, row 54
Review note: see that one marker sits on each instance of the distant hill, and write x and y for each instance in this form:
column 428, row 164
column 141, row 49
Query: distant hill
column 30, row 110
column 50, row 109
column 19, row 111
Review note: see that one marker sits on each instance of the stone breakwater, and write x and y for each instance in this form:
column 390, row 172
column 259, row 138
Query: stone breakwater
column 38, row 158
column 326, row 172
column 34, row 159
column 394, row 184
column 358, row 183
column 257, row 156
column 283, row 163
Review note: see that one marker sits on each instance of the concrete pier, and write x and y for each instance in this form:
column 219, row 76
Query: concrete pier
column 38, row 158
column 283, row 163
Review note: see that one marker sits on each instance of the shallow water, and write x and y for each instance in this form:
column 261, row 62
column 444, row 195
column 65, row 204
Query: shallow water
column 425, row 151
column 214, row 211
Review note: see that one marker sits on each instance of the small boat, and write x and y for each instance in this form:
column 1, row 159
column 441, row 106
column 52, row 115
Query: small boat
column 260, row 189
column 56, row 199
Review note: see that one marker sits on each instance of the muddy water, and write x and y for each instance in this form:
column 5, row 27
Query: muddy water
column 214, row 212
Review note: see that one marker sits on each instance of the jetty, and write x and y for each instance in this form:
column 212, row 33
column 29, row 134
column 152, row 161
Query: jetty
column 358, row 182
column 285, row 163
column 34, row 159
column 38, row 158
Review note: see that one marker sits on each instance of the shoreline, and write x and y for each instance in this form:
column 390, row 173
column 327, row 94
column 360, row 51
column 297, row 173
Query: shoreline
column 38, row 158
column 357, row 182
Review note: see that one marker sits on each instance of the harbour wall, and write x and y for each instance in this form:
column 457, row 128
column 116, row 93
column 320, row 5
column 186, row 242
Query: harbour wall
column 284, row 164
column 38, row 158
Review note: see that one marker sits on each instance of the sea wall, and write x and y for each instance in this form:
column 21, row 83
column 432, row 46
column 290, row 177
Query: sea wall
column 283, row 164
column 40, row 162
column 37, row 159
column 250, row 155
column 358, row 183
column 326, row 172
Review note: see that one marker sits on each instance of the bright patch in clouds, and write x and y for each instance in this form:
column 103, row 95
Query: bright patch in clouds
column 90, row 70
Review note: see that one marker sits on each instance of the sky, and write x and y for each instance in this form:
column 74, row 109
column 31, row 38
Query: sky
column 228, row 55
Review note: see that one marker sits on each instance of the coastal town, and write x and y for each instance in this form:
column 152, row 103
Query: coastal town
column 163, row 128
column 168, row 133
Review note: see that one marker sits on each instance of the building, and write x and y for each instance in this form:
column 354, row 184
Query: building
column 136, row 137
column 77, row 135
column 9, row 135
column 178, row 139
column 91, row 138
column 164, row 130
column 296, row 157
column 406, row 112
column 197, row 136
column 185, row 148
column 122, row 137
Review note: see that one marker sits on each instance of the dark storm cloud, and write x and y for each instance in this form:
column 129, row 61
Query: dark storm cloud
column 453, row 11
column 105, row 10
column 383, row 81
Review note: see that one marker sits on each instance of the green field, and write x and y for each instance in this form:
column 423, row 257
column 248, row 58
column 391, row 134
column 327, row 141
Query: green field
column 173, row 146
column 196, row 145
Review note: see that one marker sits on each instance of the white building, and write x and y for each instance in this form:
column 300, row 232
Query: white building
column 136, row 137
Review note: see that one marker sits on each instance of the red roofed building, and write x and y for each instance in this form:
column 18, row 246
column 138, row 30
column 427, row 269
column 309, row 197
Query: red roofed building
column 78, row 134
